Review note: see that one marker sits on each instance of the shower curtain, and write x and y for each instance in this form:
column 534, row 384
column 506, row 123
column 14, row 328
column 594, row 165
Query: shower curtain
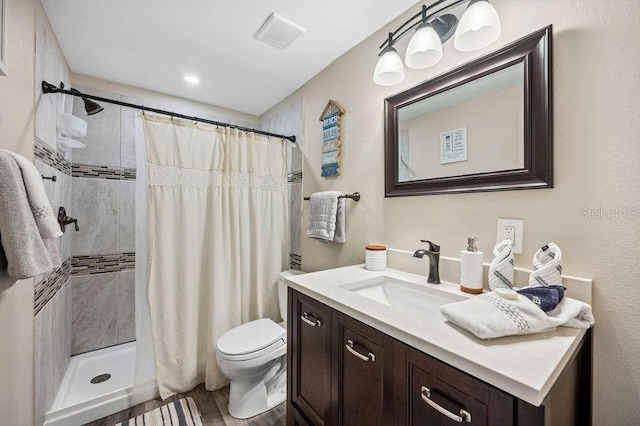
column 218, row 239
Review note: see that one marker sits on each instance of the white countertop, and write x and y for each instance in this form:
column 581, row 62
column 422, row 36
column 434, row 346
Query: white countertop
column 524, row 366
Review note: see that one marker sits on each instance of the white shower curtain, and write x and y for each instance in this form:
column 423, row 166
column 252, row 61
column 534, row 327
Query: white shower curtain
column 218, row 239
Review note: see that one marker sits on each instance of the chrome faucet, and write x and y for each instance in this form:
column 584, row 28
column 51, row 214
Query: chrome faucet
column 434, row 258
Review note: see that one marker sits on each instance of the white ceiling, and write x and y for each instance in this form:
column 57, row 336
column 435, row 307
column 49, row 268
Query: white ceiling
column 152, row 44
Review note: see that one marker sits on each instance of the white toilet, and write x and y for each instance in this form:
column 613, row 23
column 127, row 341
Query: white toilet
column 254, row 358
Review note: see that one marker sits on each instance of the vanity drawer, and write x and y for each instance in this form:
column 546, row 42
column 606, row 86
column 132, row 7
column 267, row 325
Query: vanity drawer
column 439, row 394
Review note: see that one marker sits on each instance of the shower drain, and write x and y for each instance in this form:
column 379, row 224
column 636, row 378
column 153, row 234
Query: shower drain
column 101, row 378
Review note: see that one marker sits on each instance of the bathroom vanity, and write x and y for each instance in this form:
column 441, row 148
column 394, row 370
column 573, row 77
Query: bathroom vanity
column 367, row 348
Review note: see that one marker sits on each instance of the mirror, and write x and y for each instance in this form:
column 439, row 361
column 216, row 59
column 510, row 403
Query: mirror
column 484, row 126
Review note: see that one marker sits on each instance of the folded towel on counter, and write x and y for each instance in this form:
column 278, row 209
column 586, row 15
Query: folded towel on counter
column 326, row 216
column 43, row 213
column 25, row 254
column 547, row 267
column 489, row 316
column 501, row 267
column 547, row 298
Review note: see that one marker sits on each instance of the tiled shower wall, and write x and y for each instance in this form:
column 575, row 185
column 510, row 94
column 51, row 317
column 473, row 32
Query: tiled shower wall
column 289, row 120
column 52, row 298
column 103, row 278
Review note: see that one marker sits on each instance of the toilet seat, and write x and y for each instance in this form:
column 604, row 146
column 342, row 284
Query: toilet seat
column 251, row 340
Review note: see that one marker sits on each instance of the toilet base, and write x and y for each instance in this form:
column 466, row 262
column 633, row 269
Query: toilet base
column 248, row 398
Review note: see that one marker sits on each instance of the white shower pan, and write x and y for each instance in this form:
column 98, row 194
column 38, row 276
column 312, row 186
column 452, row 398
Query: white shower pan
column 80, row 401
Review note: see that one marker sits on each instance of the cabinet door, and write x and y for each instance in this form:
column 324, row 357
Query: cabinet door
column 441, row 395
column 362, row 372
column 309, row 357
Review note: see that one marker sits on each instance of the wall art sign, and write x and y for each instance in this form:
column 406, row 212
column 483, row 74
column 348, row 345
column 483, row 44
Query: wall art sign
column 453, row 146
column 330, row 119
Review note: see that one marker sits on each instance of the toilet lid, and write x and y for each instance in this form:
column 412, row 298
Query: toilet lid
column 251, row 337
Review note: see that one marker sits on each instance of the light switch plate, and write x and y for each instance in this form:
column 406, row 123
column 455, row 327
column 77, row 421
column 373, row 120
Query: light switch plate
column 513, row 229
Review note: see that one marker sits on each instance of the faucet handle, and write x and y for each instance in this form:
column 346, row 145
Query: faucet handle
column 432, row 247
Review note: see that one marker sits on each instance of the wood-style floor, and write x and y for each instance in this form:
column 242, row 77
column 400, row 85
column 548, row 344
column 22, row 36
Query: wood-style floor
column 212, row 407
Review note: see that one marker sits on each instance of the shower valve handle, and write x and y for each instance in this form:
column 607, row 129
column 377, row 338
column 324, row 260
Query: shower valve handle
column 65, row 220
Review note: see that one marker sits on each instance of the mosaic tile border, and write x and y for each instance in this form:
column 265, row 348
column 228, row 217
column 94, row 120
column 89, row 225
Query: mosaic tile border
column 103, row 172
column 51, row 157
column 102, row 263
column 294, row 177
column 49, row 286
column 295, row 262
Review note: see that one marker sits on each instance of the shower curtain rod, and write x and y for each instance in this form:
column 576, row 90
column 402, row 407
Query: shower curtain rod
column 50, row 88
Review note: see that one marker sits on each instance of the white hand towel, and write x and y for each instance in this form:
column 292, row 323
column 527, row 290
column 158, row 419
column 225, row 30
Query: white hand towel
column 547, row 267
column 323, row 216
column 46, row 219
column 340, row 235
column 23, row 252
column 489, row 316
column 501, row 267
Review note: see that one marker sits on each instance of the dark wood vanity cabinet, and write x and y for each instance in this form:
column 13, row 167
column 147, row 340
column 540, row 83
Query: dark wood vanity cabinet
column 362, row 371
column 441, row 395
column 343, row 372
column 309, row 360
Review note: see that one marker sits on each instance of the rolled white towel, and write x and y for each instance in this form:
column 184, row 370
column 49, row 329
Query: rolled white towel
column 501, row 267
column 547, row 267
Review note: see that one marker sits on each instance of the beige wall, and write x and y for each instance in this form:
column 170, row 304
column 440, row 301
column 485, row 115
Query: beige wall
column 596, row 94
column 17, row 106
column 495, row 136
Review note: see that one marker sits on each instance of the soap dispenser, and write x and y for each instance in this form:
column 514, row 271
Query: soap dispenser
column 471, row 268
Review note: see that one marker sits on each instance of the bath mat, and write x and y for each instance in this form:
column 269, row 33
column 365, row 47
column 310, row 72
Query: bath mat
column 182, row 412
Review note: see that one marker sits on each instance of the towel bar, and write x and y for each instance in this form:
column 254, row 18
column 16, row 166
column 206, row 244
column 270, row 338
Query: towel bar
column 355, row 196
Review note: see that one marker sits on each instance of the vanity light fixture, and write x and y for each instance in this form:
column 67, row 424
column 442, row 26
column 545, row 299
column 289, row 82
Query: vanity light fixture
column 478, row 27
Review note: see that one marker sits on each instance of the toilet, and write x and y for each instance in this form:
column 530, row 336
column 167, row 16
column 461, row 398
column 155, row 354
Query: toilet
column 253, row 356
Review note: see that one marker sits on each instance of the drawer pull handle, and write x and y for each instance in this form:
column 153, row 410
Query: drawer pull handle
column 349, row 346
column 305, row 317
column 464, row 416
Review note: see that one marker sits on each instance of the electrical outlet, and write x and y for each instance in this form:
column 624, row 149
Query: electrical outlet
column 512, row 229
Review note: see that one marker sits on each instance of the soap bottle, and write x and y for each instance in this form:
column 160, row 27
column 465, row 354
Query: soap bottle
column 471, row 268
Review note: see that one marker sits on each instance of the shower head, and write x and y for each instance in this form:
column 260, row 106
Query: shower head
column 89, row 106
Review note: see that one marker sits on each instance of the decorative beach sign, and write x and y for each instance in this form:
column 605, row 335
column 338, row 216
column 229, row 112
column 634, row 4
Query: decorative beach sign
column 330, row 118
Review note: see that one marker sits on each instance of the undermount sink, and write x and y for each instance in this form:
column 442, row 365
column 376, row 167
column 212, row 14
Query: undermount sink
column 421, row 300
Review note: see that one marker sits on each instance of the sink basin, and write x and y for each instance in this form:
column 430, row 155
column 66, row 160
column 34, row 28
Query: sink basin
column 421, row 300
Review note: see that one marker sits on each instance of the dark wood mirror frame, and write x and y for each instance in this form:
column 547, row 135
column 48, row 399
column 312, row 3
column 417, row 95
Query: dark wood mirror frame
column 534, row 51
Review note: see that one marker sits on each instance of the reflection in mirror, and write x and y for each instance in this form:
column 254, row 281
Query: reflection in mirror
column 476, row 127
column 484, row 126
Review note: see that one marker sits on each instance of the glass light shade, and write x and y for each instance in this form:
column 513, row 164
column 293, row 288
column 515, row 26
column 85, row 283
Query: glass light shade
column 389, row 69
column 478, row 27
column 425, row 48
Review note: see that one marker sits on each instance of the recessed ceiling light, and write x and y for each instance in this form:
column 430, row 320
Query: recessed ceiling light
column 191, row 79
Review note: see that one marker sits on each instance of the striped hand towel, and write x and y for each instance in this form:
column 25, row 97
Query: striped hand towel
column 547, row 267
column 501, row 267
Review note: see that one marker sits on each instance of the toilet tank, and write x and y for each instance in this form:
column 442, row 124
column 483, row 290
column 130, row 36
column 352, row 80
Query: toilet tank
column 282, row 291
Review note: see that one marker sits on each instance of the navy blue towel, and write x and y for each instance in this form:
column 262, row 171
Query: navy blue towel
column 547, row 298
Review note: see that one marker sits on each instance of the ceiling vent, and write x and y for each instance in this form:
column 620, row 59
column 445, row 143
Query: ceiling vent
column 278, row 31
